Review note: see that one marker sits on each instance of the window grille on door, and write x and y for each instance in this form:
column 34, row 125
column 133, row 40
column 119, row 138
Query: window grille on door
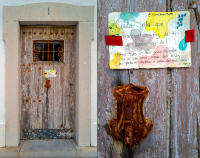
column 48, row 50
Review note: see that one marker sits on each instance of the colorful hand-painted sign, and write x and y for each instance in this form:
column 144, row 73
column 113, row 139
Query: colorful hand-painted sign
column 50, row 73
column 150, row 40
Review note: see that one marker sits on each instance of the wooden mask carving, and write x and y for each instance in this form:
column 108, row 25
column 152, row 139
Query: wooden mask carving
column 130, row 126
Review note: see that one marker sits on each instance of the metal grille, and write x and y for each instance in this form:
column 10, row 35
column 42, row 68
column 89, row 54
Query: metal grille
column 47, row 134
column 48, row 50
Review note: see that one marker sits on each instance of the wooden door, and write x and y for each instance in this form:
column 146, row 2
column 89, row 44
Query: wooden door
column 47, row 112
column 173, row 100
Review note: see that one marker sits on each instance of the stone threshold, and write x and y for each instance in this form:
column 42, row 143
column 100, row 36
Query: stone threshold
column 56, row 148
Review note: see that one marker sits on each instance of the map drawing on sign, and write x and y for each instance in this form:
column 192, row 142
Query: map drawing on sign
column 150, row 40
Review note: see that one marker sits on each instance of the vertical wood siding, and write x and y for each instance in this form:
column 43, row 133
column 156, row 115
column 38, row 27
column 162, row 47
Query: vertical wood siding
column 185, row 98
column 107, row 78
column 173, row 101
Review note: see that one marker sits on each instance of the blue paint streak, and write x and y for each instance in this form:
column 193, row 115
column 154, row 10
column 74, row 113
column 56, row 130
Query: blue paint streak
column 128, row 16
column 182, row 45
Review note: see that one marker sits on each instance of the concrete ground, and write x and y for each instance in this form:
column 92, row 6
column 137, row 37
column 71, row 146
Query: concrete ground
column 56, row 148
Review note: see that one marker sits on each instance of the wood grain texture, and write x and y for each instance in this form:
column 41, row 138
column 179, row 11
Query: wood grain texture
column 173, row 101
column 185, row 98
column 155, row 107
column 69, row 81
column 26, row 79
column 52, row 108
column 24, row 111
column 57, row 108
column 107, row 79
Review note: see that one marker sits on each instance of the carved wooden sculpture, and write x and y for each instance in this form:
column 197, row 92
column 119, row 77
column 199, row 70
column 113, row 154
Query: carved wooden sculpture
column 130, row 126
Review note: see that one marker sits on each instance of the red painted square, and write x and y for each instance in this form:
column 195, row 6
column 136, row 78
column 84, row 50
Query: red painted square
column 113, row 40
column 189, row 36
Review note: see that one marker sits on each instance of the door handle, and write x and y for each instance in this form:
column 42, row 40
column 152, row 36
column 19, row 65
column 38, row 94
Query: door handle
column 29, row 100
column 24, row 100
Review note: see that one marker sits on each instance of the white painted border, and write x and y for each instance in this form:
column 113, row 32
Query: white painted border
column 2, row 135
column 13, row 16
column 2, row 85
column 94, row 83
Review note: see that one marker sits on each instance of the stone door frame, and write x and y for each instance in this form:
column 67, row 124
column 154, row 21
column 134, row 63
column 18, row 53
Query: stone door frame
column 48, row 14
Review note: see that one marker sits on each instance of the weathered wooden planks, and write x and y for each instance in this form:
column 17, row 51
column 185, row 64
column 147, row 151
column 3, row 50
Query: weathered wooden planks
column 155, row 107
column 26, row 78
column 52, row 108
column 173, row 100
column 185, row 98
column 69, row 80
column 107, row 79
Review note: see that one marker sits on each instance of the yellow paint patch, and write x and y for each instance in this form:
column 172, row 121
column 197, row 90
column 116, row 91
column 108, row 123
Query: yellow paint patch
column 115, row 62
column 158, row 22
column 114, row 29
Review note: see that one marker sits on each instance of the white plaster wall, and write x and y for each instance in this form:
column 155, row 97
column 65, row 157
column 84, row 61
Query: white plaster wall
column 94, row 84
column 2, row 71
column 2, row 82
column 93, row 64
column 75, row 2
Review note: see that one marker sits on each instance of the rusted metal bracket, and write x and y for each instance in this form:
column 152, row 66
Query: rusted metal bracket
column 47, row 84
column 130, row 126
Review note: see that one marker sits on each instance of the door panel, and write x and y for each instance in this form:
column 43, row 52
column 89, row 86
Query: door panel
column 47, row 112
column 69, row 81
column 58, row 98
column 35, row 106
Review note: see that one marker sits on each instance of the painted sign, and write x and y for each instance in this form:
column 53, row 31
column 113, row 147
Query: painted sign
column 50, row 73
column 150, row 40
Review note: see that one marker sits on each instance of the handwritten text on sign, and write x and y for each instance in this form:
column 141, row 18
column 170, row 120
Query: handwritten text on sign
column 150, row 40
